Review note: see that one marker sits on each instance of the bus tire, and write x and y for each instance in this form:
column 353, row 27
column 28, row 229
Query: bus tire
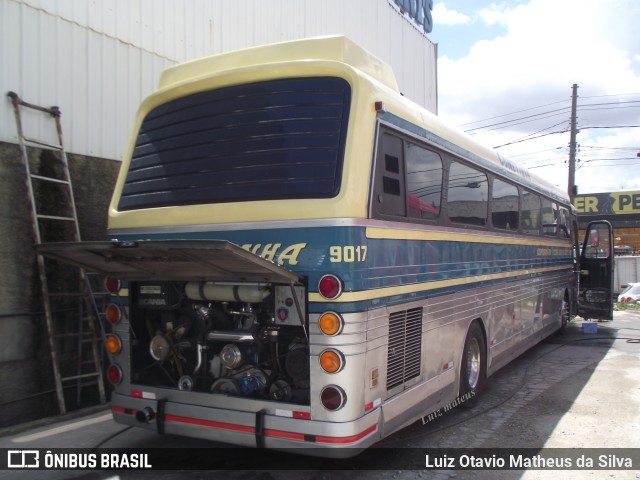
column 473, row 368
column 565, row 315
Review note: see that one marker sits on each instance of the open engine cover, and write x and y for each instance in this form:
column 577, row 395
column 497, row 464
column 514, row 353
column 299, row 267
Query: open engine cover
column 176, row 260
column 206, row 316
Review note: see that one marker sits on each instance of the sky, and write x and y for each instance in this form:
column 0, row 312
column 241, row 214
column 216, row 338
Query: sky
column 505, row 76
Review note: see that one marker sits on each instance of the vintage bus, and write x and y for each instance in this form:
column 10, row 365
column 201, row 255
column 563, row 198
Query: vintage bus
column 312, row 260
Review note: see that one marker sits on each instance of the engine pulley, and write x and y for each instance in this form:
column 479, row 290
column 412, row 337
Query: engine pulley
column 231, row 356
column 226, row 386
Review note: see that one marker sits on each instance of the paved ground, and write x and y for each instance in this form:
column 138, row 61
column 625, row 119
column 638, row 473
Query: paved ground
column 577, row 391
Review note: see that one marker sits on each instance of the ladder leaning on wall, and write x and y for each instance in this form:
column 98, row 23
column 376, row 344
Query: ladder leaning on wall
column 70, row 334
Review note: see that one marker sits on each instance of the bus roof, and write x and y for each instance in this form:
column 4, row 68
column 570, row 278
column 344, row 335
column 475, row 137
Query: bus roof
column 332, row 48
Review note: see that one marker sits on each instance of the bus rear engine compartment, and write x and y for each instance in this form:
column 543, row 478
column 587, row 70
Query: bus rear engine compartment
column 243, row 340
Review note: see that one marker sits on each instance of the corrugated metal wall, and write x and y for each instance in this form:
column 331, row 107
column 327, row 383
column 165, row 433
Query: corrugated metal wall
column 98, row 59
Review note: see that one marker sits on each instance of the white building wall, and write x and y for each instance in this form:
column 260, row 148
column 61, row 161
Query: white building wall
column 98, row 59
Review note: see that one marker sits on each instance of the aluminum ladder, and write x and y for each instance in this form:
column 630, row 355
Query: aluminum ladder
column 88, row 368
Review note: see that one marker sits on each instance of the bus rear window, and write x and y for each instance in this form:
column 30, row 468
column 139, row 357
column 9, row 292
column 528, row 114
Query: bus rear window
column 281, row 139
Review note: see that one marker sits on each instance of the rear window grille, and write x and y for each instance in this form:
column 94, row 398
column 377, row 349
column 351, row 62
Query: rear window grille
column 280, row 139
column 405, row 347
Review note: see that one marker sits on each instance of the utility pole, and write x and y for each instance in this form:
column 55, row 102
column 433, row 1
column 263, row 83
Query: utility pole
column 572, row 190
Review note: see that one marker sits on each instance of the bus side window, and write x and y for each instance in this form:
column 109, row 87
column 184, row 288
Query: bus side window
column 549, row 218
column 564, row 221
column 467, row 195
column 504, row 205
column 389, row 181
column 530, row 213
column 424, row 182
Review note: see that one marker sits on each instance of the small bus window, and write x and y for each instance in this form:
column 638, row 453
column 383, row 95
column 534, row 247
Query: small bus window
column 530, row 213
column 390, row 177
column 565, row 223
column 468, row 195
column 504, row 205
column 424, row 182
column 549, row 218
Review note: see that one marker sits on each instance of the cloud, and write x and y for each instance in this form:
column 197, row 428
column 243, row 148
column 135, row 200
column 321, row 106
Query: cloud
column 495, row 14
column 443, row 16
column 547, row 47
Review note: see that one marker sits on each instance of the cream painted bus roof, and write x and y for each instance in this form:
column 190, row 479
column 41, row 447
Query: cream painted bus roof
column 333, row 48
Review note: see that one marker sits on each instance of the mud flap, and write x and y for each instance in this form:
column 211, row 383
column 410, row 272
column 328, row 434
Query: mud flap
column 160, row 415
column 260, row 429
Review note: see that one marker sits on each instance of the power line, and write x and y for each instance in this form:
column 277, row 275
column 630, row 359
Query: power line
column 533, row 153
column 539, row 116
column 511, row 113
column 612, row 95
column 609, row 148
column 532, row 138
column 612, row 126
column 607, row 103
column 614, row 105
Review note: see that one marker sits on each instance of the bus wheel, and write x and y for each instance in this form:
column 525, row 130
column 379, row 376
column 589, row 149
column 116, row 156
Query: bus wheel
column 473, row 368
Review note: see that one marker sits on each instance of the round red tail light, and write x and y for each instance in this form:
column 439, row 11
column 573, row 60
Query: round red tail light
column 112, row 285
column 114, row 374
column 333, row 397
column 330, row 286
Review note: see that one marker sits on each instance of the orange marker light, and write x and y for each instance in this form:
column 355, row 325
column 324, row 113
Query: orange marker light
column 113, row 343
column 113, row 314
column 331, row 361
column 330, row 323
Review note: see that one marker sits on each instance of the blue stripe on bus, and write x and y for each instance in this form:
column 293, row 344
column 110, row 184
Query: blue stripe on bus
column 389, row 262
column 399, row 299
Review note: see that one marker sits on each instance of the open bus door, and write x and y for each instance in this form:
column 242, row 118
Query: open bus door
column 596, row 272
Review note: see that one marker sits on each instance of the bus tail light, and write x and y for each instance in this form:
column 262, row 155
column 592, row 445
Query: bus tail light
column 113, row 314
column 114, row 374
column 332, row 361
column 330, row 323
column 330, row 286
column 113, row 343
column 333, row 397
column 112, row 285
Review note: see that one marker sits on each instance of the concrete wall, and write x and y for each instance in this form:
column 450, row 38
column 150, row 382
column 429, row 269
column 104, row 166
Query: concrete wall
column 25, row 362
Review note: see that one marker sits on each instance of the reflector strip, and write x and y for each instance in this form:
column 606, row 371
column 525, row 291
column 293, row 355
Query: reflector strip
column 251, row 430
column 141, row 394
column 210, row 423
column 447, row 366
column 372, row 405
column 344, row 440
column 293, row 414
column 125, row 411
column 287, row 435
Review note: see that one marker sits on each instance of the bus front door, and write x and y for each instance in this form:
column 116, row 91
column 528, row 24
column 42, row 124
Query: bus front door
column 596, row 272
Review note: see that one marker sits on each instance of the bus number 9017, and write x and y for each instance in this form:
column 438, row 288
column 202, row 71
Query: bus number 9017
column 348, row 253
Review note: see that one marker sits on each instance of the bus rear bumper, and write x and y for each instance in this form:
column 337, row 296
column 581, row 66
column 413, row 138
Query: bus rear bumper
column 249, row 429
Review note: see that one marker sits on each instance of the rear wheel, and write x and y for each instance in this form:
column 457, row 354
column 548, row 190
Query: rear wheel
column 473, row 368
